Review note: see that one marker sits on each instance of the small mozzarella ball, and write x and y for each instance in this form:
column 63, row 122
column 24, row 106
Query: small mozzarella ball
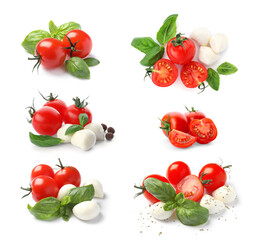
column 207, row 56
column 98, row 188
column 63, row 191
column 201, row 36
column 86, row 210
column 213, row 205
column 159, row 213
column 61, row 133
column 218, row 42
column 84, row 139
column 226, row 194
column 97, row 128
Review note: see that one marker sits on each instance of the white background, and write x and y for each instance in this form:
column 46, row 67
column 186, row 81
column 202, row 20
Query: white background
column 119, row 97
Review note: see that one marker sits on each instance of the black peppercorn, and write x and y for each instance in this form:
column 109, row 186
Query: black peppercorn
column 104, row 127
column 110, row 130
column 109, row 136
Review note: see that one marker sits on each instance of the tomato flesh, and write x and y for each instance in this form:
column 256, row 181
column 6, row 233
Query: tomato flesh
column 180, row 139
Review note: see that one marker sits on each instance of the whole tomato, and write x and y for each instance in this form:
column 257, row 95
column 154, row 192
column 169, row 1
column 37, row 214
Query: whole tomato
column 193, row 114
column 42, row 169
column 176, row 172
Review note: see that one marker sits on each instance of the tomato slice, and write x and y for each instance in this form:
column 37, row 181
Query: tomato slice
column 164, row 73
column 193, row 74
column 180, row 139
column 203, row 129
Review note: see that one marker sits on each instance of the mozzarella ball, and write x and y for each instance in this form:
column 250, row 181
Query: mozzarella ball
column 63, row 191
column 97, row 129
column 86, row 210
column 84, row 139
column 213, row 205
column 201, row 36
column 98, row 188
column 226, row 194
column 159, row 213
column 61, row 133
column 207, row 56
column 218, row 42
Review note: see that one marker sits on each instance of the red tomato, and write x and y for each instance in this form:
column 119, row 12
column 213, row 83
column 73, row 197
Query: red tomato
column 164, row 73
column 43, row 187
column 180, row 50
column 50, row 53
column 192, row 187
column 42, row 169
column 193, row 74
column 174, row 120
column 176, row 172
column 180, row 139
column 78, row 43
column 73, row 111
column 67, row 175
column 193, row 114
column 203, row 129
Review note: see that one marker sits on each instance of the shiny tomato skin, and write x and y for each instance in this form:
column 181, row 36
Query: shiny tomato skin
column 83, row 40
column 72, row 114
column 180, row 139
column 191, row 115
column 164, row 73
column 193, row 74
column 176, row 172
column 51, row 52
column 67, row 175
column 47, row 121
column 59, row 105
column 181, row 55
column 203, row 129
column 192, row 187
column 42, row 169
column 43, row 187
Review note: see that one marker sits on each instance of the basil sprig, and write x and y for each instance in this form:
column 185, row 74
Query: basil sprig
column 226, row 68
column 83, row 119
column 44, row 140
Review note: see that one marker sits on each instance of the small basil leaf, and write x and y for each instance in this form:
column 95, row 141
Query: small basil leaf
column 66, row 200
column 144, row 44
column 78, row 67
column 227, row 68
column 213, row 79
column 91, row 62
column 72, row 129
column 46, row 209
column 65, row 28
column 160, row 190
column 80, row 194
column 170, row 205
column 167, row 30
column 33, row 38
column 83, row 119
column 52, row 28
column 180, row 198
column 44, row 140
column 65, row 212
column 152, row 56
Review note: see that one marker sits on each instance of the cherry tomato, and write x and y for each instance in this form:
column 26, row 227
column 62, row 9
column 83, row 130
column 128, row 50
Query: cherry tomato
column 180, row 50
column 180, row 139
column 43, row 187
column 67, row 175
column 203, row 129
column 42, row 169
column 77, row 43
column 176, row 172
column 193, row 74
column 164, row 73
column 193, row 114
column 50, row 53
column 73, row 111
column 174, row 120
column 192, row 187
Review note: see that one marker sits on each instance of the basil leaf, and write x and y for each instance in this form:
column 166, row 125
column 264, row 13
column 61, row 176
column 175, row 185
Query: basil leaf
column 72, row 129
column 53, row 28
column 83, row 119
column 46, row 209
column 65, row 212
column 44, row 140
column 180, row 198
column 170, row 205
column 226, row 68
column 152, row 56
column 213, row 79
column 91, row 62
column 191, row 213
column 33, row 38
column 167, row 30
column 161, row 190
column 65, row 201
column 78, row 67
column 80, row 194
column 144, row 44
column 65, row 28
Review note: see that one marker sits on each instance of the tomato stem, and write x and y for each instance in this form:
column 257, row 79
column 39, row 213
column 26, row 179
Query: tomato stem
column 228, row 166
column 202, row 87
column 207, row 181
column 140, row 193
column 31, row 111
column 166, row 126
column 26, row 189
column 49, row 98
column 179, row 41
column 72, row 46
column 38, row 58
column 192, row 109
column 80, row 104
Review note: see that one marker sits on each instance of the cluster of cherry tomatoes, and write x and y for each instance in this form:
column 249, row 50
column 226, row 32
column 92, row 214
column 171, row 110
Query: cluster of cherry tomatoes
column 47, row 183
column 183, row 130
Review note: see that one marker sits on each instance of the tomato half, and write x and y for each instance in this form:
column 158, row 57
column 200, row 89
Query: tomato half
column 193, row 74
column 42, row 169
column 192, row 187
column 180, row 50
column 164, row 73
column 180, row 139
column 203, row 129
column 193, row 114
column 176, row 172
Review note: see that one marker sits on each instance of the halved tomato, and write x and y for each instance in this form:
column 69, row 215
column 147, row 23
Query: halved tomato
column 180, row 139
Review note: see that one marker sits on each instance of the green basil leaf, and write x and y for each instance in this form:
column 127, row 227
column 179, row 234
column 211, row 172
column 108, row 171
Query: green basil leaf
column 170, row 205
column 152, row 56
column 180, row 198
column 144, row 44
column 65, row 212
column 191, row 213
column 33, row 38
column 46, row 209
column 72, row 129
column 226, row 68
column 78, row 68
column 91, row 62
column 80, row 194
column 167, row 30
column 65, row 201
column 213, row 79
column 160, row 190
column 83, row 119
column 53, row 28
column 44, row 140
column 65, row 28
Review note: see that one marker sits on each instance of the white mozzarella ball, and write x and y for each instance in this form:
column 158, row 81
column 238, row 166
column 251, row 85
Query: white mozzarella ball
column 84, row 139
column 86, row 210
column 98, row 188
column 63, row 191
column 207, row 56
column 213, row 205
column 218, row 42
column 226, row 194
column 97, row 129
column 61, row 133
column 159, row 213
column 201, row 36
